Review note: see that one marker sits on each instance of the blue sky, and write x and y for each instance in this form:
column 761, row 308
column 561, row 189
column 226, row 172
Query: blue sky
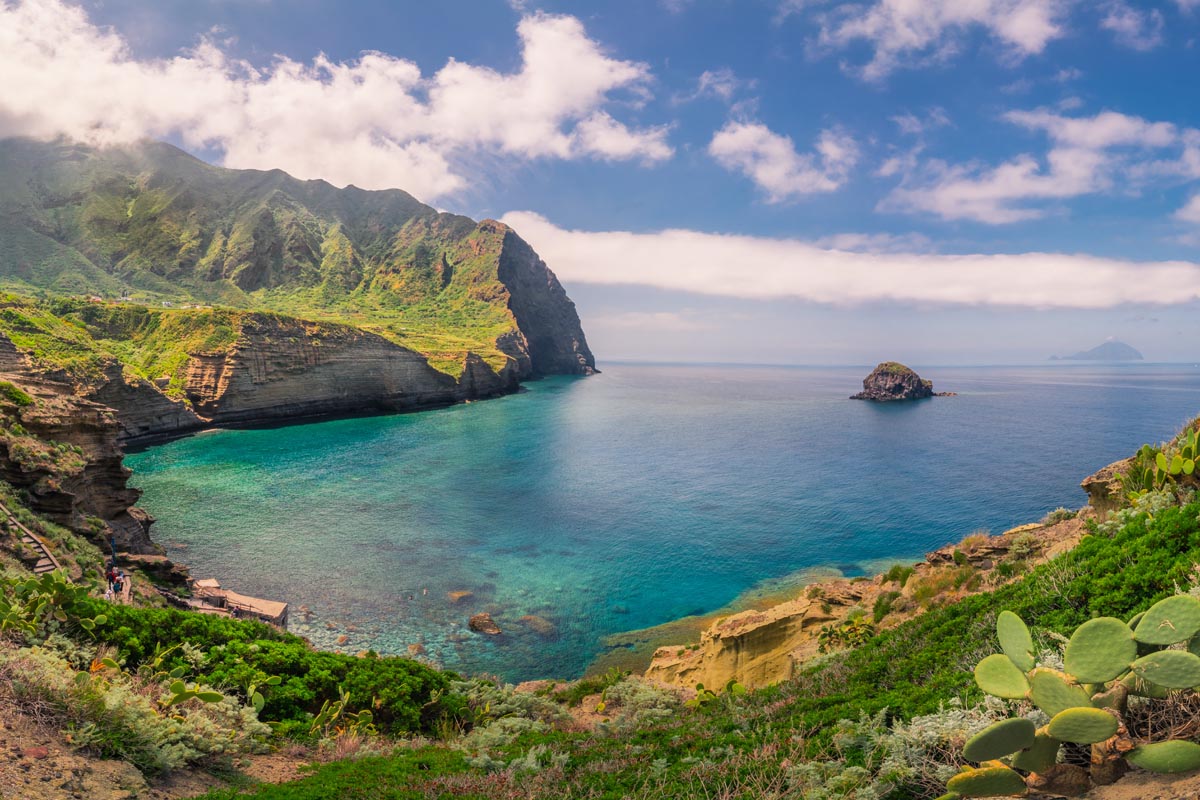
column 798, row 181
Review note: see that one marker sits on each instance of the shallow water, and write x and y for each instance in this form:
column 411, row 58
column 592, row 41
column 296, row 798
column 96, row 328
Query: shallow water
column 631, row 498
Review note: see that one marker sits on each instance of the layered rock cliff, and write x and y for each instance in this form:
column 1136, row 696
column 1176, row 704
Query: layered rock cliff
column 64, row 452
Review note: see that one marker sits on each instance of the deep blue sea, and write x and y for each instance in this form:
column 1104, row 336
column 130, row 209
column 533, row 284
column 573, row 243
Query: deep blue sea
column 631, row 498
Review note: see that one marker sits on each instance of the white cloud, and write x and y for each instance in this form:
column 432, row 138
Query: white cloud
column 771, row 160
column 912, row 125
column 1131, row 27
column 376, row 121
column 1087, row 155
column 761, row 268
column 904, row 33
column 1190, row 211
column 722, row 83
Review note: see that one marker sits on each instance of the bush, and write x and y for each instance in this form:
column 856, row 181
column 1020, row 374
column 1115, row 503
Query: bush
column 15, row 394
column 1058, row 515
column 899, row 573
column 117, row 715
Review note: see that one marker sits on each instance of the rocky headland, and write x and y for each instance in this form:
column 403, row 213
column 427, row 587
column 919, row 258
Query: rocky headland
column 891, row 381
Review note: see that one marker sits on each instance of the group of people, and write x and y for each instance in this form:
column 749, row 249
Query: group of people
column 116, row 582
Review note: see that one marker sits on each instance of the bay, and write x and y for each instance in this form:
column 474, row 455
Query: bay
column 631, row 498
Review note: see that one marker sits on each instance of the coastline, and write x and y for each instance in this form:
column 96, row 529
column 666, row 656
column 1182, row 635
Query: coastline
column 633, row 650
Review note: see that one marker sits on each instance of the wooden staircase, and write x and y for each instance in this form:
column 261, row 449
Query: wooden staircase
column 46, row 562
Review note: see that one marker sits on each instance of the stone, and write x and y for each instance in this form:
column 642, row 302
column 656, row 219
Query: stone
column 891, row 381
column 483, row 623
column 458, row 595
column 416, row 649
column 540, row 625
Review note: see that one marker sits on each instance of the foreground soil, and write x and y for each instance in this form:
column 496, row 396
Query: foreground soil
column 37, row 764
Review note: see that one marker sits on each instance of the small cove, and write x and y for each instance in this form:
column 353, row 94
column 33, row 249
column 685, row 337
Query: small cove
column 624, row 501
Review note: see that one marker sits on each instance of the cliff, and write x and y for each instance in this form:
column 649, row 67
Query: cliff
column 65, row 453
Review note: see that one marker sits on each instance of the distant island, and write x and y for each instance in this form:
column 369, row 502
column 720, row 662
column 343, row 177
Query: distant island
column 891, row 381
column 1112, row 350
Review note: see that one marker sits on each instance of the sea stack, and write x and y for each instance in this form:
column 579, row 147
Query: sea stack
column 892, row 380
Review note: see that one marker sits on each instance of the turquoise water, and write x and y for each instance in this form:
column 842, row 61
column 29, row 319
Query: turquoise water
column 631, row 498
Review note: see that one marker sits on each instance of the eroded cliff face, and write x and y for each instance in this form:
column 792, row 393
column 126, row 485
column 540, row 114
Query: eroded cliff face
column 65, row 453
column 546, row 318
column 280, row 368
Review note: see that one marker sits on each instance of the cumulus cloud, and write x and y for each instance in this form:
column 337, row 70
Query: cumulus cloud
column 762, row 268
column 375, row 121
column 1086, row 156
column 772, row 162
column 903, row 33
column 1134, row 28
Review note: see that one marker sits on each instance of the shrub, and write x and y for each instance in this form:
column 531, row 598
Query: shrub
column 1058, row 515
column 118, row 715
column 883, row 606
column 15, row 394
column 899, row 573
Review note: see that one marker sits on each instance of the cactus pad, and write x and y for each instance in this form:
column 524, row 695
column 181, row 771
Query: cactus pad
column 1143, row 688
column 1000, row 739
column 1100, row 650
column 1052, row 692
column 1040, row 756
column 1015, row 640
column 1083, row 725
column 987, row 782
column 1174, row 669
column 1175, row 619
column 998, row 676
column 1176, row 756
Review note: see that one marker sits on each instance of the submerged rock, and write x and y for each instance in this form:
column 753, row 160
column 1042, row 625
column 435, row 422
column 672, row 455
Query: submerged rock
column 540, row 625
column 483, row 623
column 459, row 595
column 892, row 380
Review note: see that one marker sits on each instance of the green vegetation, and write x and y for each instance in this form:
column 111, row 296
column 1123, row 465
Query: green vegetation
column 1094, row 701
column 151, row 225
column 10, row 392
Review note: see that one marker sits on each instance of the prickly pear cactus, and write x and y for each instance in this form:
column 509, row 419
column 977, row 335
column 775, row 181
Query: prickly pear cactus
column 1106, row 661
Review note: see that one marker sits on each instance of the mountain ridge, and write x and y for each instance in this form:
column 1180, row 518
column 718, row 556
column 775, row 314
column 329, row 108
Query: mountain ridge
column 151, row 222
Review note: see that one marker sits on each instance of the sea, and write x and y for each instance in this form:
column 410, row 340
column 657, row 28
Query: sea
column 585, row 507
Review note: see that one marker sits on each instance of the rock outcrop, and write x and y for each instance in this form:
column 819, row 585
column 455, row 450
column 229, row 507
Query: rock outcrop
column 761, row 647
column 893, row 381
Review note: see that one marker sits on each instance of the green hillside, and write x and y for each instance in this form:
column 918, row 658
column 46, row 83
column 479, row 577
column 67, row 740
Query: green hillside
column 153, row 225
